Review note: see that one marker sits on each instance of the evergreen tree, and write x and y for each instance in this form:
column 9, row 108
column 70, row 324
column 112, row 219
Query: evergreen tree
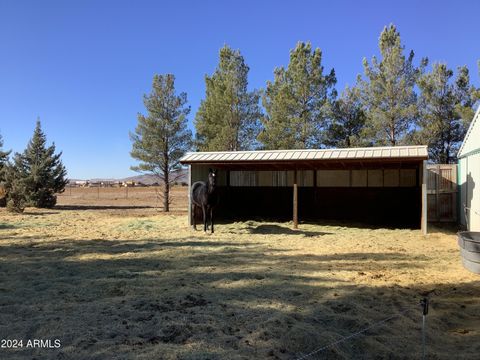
column 3, row 167
column 161, row 137
column 15, row 178
column 228, row 117
column 347, row 120
column 3, row 157
column 297, row 101
column 41, row 171
column 388, row 91
column 446, row 111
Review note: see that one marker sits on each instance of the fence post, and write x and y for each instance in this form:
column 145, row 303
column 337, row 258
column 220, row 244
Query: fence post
column 424, row 220
column 191, row 214
column 424, row 304
column 295, row 200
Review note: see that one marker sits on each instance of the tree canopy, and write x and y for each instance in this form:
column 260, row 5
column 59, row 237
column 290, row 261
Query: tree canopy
column 162, row 137
column 3, row 160
column 297, row 101
column 228, row 117
column 446, row 108
column 388, row 90
column 346, row 121
column 37, row 174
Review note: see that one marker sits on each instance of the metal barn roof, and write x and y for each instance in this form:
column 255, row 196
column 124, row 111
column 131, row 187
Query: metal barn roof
column 270, row 156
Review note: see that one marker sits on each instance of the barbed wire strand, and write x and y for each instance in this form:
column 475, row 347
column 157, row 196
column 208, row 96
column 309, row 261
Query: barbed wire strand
column 360, row 332
column 345, row 338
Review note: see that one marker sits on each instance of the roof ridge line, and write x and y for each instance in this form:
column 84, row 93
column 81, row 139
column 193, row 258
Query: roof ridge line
column 302, row 150
column 470, row 129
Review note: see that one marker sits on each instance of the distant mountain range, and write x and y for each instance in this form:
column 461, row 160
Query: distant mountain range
column 144, row 179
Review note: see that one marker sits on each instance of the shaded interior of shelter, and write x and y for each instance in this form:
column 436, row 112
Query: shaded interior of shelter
column 377, row 206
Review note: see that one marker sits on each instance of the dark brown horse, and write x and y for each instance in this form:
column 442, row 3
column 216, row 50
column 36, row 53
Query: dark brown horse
column 204, row 195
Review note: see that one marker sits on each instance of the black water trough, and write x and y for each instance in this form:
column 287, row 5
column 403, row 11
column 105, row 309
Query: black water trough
column 469, row 243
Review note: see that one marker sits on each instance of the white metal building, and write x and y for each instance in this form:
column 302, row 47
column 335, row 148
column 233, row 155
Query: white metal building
column 469, row 176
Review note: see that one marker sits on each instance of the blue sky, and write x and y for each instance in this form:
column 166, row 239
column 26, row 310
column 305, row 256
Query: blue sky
column 83, row 66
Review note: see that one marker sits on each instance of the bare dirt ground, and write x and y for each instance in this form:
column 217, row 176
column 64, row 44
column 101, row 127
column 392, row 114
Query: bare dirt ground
column 133, row 283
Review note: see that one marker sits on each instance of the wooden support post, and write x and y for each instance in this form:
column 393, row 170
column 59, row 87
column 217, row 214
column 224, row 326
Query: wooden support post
column 226, row 195
column 190, row 219
column 295, row 200
column 423, row 177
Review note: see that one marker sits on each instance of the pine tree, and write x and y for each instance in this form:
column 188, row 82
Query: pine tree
column 3, row 160
column 347, row 120
column 297, row 101
column 228, row 117
column 388, row 91
column 41, row 171
column 3, row 168
column 446, row 111
column 161, row 137
column 15, row 178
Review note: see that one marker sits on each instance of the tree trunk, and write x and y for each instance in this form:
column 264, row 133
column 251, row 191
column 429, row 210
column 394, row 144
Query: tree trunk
column 166, row 196
column 166, row 179
column 392, row 137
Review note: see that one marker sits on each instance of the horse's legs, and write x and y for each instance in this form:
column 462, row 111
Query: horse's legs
column 204, row 209
column 207, row 211
column 211, row 217
column 193, row 215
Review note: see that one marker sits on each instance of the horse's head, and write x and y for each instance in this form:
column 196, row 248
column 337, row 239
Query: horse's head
column 212, row 178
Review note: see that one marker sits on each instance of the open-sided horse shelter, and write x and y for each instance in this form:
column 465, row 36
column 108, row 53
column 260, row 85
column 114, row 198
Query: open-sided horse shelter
column 377, row 185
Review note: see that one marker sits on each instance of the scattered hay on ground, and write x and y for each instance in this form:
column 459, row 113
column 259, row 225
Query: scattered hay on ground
column 116, row 284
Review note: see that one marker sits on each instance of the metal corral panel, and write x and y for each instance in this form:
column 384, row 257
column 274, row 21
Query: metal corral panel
column 398, row 152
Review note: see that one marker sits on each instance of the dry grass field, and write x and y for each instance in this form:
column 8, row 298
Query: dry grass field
column 133, row 283
column 134, row 197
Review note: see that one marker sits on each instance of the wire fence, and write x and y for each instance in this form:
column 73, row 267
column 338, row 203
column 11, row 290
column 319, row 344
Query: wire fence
column 418, row 313
column 149, row 196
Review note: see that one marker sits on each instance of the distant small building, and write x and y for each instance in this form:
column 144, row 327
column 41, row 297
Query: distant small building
column 128, row 183
column 469, row 176
column 110, row 183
